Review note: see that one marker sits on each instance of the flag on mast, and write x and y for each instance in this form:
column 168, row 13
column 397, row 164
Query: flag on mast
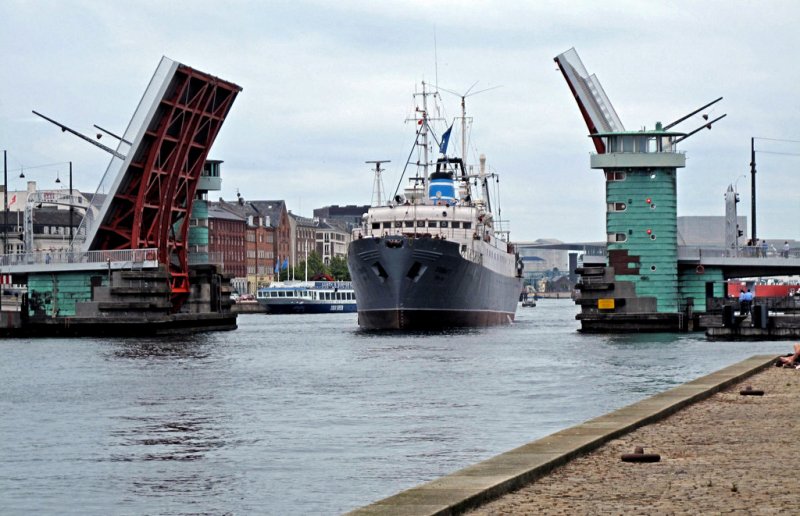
column 445, row 140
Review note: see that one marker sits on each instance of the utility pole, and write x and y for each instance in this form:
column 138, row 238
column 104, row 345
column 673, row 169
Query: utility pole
column 5, row 202
column 753, row 188
column 71, row 208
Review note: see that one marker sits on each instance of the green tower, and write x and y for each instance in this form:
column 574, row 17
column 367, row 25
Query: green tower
column 641, row 216
column 640, row 285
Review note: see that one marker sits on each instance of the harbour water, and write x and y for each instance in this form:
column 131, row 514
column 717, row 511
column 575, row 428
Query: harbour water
column 307, row 414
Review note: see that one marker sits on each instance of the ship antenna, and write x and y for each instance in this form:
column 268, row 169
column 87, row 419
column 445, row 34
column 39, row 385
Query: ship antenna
column 435, row 59
column 463, row 96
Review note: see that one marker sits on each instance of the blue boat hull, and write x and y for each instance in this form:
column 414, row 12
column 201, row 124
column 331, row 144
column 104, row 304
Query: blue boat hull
column 309, row 308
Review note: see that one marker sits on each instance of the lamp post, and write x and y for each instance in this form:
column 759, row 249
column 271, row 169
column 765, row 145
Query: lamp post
column 69, row 199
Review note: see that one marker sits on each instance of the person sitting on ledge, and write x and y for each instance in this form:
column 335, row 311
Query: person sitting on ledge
column 790, row 360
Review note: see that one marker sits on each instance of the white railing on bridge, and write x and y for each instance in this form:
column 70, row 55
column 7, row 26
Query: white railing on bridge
column 58, row 257
column 756, row 252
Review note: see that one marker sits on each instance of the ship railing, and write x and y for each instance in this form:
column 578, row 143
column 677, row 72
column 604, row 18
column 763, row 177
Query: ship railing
column 472, row 255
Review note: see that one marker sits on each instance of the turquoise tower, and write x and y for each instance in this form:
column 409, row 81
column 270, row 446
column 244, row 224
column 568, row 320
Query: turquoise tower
column 641, row 284
column 641, row 214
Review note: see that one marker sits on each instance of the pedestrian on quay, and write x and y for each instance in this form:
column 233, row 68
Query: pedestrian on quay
column 786, row 249
column 764, row 248
column 744, row 305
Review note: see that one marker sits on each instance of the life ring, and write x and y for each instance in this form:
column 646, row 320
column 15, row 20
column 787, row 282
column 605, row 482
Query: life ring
column 700, row 269
column 150, row 256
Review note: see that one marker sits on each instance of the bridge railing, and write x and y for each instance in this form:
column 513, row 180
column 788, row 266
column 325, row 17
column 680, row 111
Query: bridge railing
column 697, row 252
column 134, row 256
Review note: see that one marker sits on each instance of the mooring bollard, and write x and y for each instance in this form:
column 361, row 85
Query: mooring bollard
column 749, row 391
column 639, row 455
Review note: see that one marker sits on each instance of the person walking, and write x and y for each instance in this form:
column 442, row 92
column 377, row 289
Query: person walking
column 786, row 249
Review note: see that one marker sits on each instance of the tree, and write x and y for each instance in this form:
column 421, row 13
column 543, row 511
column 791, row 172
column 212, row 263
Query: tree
column 338, row 269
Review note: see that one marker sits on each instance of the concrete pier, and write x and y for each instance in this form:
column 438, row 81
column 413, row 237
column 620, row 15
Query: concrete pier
column 720, row 451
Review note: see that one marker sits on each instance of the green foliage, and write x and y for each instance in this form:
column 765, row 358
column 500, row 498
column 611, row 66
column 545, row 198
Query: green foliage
column 315, row 265
column 337, row 269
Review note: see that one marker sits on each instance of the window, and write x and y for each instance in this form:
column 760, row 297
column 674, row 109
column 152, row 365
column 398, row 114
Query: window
column 443, row 224
column 617, row 237
column 420, row 223
column 376, row 225
column 387, row 225
column 617, row 206
column 615, row 176
column 433, row 224
column 456, row 224
column 409, row 223
column 468, row 225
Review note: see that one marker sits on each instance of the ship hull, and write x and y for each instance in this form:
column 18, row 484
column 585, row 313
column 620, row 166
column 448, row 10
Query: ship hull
column 422, row 283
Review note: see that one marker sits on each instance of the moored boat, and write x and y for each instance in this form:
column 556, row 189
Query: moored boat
column 308, row 297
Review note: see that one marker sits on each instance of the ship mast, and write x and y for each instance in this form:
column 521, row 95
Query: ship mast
column 377, row 184
column 424, row 134
column 464, row 133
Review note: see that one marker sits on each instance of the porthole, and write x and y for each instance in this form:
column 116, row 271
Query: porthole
column 653, row 206
column 652, row 237
column 653, row 268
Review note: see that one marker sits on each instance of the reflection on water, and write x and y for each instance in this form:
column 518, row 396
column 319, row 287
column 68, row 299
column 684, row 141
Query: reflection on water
column 307, row 414
column 178, row 346
column 175, row 419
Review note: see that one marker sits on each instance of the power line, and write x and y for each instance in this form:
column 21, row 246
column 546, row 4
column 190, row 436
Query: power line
column 777, row 140
column 782, row 153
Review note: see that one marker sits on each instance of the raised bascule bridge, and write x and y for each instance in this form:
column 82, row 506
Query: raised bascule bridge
column 139, row 260
column 646, row 280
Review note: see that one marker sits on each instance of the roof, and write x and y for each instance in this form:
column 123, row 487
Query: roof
column 270, row 210
column 217, row 212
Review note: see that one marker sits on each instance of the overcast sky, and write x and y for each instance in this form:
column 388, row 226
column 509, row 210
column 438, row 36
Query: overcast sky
column 328, row 86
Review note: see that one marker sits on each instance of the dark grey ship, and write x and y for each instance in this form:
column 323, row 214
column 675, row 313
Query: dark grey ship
column 436, row 257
